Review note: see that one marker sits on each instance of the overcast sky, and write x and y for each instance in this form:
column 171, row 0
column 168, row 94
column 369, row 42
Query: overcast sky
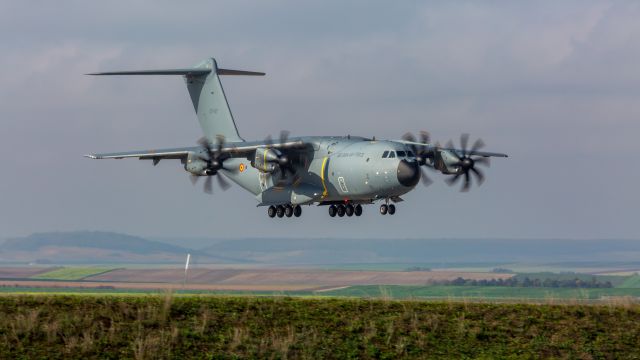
column 556, row 85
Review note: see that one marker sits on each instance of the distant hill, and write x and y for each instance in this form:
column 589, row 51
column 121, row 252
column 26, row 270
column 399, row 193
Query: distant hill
column 432, row 251
column 113, row 248
column 91, row 239
column 95, row 247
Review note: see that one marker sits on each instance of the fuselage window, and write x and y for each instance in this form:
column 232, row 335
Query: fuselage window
column 385, row 154
column 392, row 154
column 401, row 153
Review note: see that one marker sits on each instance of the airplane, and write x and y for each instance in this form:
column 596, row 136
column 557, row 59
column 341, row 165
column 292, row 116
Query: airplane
column 340, row 172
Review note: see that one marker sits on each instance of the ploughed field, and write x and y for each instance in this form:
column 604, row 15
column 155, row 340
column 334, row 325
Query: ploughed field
column 164, row 326
column 226, row 279
column 310, row 277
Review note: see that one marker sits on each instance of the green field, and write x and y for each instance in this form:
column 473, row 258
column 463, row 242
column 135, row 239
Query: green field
column 71, row 273
column 396, row 292
column 481, row 292
column 630, row 282
column 63, row 327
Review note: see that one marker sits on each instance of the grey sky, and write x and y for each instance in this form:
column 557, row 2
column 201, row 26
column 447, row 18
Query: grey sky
column 554, row 84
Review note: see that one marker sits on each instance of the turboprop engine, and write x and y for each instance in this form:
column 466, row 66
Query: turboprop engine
column 196, row 165
column 268, row 159
column 445, row 161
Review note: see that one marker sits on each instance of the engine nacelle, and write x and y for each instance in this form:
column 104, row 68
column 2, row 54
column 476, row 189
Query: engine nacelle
column 266, row 159
column 196, row 165
column 443, row 161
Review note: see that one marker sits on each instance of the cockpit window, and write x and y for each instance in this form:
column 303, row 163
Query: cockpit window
column 410, row 154
column 401, row 153
column 385, row 154
column 392, row 154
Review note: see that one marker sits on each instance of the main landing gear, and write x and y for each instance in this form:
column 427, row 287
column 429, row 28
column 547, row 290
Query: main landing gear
column 342, row 210
column 284, row 210
column 387, row 209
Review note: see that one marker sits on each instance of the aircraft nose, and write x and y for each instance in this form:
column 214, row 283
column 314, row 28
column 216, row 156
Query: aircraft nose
column 408, row 173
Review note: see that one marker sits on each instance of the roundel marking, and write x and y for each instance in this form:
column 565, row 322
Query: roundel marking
column 241, row 167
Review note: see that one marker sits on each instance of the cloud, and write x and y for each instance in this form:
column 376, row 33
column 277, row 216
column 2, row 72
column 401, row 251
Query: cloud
column 553, row 84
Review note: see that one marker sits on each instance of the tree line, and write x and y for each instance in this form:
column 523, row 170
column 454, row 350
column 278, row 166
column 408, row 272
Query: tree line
column 527, row 282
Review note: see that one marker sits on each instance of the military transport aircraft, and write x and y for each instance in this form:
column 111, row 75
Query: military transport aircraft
column 341, row 172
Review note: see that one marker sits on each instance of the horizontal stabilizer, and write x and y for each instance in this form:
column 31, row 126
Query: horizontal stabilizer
column 239, row 72
column 194, row 72
column 186, row 72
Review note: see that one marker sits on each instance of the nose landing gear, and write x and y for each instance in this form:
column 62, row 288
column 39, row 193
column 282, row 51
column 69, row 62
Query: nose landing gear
column 387, row 209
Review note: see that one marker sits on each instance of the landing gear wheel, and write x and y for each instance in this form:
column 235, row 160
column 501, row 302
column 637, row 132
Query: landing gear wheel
column 341, row 210
column 349, row 210
column 280, row 211
column 271, row 211
column 297, row 211
column 392, row 209
column 383, row 209
column 358, row 210
column 288, row 210
column 332, row 210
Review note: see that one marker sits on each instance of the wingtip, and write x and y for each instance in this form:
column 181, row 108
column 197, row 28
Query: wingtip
column 90, row 156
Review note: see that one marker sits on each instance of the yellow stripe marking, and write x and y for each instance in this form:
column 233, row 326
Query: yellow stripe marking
column 324, row 186
column 264, row 161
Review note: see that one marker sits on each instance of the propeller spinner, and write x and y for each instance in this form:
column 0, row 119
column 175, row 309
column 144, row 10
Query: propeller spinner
column 467, row 164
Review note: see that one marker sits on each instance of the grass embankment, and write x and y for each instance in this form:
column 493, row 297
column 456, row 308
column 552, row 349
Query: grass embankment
column 230, row 327
column 71, row 273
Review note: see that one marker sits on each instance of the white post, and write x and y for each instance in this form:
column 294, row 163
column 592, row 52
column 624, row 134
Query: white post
column 186, row 269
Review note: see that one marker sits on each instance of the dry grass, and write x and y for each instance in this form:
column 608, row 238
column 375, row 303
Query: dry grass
column 164, row 326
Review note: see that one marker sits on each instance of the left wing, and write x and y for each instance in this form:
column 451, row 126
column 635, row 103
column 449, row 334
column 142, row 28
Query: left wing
column 155, row 155
column 238, row 148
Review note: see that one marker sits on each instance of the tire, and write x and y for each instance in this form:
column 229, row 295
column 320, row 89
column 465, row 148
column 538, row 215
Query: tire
column 297, row 211
column 332, row 211
column 271, row 211
column 392, row 209
column 288, row 210
column 280, row 211
column 341, row 210
column 383, row 209
column 358, row 210
column 349, row 210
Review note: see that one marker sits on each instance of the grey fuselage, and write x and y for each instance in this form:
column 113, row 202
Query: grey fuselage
column 330, row 170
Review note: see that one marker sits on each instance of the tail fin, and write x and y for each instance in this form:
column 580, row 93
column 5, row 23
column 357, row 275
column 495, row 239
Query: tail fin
column 207, row 96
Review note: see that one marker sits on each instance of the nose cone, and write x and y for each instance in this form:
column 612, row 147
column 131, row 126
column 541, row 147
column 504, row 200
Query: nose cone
column 408, row 173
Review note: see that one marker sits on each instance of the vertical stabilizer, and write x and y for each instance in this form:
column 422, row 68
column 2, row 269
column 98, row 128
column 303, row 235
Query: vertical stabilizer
column 210, row 103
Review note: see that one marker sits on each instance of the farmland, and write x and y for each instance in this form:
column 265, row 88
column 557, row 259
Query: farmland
column 71, row 273
column 166, row 326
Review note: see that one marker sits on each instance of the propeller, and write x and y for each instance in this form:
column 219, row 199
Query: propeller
column 467, row 163
column 422, row 153
column 215, row 161
column 284, row 163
